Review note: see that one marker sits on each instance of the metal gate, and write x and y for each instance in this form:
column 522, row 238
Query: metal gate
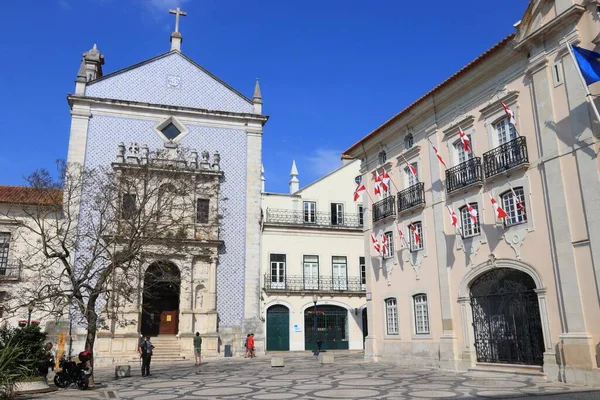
column 332, row 328
column 278, row 328
column 506, row 318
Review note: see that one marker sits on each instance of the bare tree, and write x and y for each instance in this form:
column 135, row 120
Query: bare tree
column 88, row 231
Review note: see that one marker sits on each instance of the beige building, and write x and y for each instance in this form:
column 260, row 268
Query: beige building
column 312, row 251
column 519, row 292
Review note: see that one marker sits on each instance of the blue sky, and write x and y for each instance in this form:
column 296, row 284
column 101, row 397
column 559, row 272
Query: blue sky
column 330, row 70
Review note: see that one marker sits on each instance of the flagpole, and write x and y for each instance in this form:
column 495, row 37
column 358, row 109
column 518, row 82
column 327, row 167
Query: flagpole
column 588, row 95
column 436, row 155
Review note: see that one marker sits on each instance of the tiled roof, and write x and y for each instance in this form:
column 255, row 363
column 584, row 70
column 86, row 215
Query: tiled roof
column 28, row 195
column 455, row 76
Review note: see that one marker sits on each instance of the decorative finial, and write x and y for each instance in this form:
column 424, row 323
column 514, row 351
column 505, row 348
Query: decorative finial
column 257, row 98
column 176, row 38
column 294, row 182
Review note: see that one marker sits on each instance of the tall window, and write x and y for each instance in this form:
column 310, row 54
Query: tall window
column 409, row 141
column 461, row 154
column 340, row 273
column 363, row 273
column 361, row 217
column 4, row 243
column 311, row 272
column 391, row 316
column 505, row 131
column 514, row 207
column 469, row 228
column 337, row 214
column 202, row 211
column 310, row 212
column 421, row 314
column 128, row 206
column 382, row 157
column 390, row 245
column 277, row 271
column 410, row 178
column 414, row 244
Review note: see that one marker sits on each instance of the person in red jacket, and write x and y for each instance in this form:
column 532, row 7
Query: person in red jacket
column 251, row 345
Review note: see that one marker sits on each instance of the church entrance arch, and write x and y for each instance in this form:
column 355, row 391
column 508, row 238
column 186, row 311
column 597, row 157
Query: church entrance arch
column 278, row 328
column 506, row 318
column 332, row 327
column 160, row 306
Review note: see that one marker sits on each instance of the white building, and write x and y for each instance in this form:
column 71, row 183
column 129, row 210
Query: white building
column 312, row 249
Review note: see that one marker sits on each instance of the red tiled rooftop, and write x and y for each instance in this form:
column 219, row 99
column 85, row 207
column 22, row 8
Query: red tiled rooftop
column 28, row 195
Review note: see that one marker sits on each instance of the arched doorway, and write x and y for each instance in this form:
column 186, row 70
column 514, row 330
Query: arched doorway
column 278, row 328
column 365, row 325
column 160, row 307
column 332, row 327
column 506, row 318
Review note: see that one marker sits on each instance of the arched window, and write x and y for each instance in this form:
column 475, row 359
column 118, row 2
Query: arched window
column 382, row 157
column 463, row 155
column 513, row 202
column 421, row 314
column 409, row 141
column 417, row 241
column 391, row 316
column 469, row 223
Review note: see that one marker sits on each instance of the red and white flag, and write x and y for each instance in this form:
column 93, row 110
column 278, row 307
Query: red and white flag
column 411, row 167
column 401, row 239
column 437, row 153
column 384, row 242
column 453, row 217
column 415, row 233
column 385, row 181
column 510, row 113
column 518, row 205
column 377, row 185
column 360, row 189
column 472, row 213
column 500, row 213
column 466, row 142
column 376, row 244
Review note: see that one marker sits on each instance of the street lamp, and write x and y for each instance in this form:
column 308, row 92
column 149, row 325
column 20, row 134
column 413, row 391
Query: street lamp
column 29, row 310
column 315, row 348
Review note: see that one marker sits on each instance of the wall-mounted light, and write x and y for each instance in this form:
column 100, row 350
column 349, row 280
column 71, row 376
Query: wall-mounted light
column 356, row 311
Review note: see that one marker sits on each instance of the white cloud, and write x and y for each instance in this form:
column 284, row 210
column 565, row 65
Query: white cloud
column 160, row 6
column 323, row 161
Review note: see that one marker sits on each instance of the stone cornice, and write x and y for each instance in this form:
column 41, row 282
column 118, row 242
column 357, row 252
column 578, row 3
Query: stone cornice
column 573, row 11
column 408, row 154
column 494, row 106
column 465, row 123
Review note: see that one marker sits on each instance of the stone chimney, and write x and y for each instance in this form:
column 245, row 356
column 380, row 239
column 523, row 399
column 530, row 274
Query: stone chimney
column 294, row 182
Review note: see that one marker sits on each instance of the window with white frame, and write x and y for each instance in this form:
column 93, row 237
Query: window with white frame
column 363, row 273
column 421, row 314
column 4, row 243
column 337, row 214
column 505, row 131
column 361, row 211
column 340, row 272
column 514, row 206
column 461, row 154
column 391, row 316
column 469, row 227
column 414, row 244
column 277, row 271
column 409, row 141
column 410, row 178
column 390, row 245
column 310, row 212
column 311, row 272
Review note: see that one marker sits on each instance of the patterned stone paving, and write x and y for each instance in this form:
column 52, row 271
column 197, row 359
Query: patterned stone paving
column 303, row 378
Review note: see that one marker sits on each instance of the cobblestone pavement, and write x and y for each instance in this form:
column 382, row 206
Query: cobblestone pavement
column 303, row 378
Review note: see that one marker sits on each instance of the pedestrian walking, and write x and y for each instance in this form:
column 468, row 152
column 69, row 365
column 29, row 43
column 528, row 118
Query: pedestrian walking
column 251, row 345
column 246, row 346
column 145, row 351
column 197, row 348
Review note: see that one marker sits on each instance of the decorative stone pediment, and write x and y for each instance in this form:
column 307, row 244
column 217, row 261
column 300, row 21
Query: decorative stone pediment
column 493, row 106
column 464, row 123
column 409, row 154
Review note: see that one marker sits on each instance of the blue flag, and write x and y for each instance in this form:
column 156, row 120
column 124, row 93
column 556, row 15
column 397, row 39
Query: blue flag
column 589, row 64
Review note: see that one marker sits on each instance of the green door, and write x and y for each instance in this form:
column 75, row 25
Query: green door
column 332, row 327
column 278, row 328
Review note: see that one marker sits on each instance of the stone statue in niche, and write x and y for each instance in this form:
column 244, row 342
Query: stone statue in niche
column 200, row 297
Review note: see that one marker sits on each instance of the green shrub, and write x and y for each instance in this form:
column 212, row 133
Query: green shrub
column 30, row 340
column 11, row 371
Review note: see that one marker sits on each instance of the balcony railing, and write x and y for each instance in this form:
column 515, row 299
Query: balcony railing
column 384, row 208
column 10, row 272
column 464, row 174
column 298, row 283
column 412, row 196
column 314, row 218
column 505, row 157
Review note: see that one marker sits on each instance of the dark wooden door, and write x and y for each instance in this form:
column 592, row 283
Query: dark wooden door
column 278, row 328
column 168, row 323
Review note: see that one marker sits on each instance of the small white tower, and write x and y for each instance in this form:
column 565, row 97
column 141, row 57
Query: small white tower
column 294, row 182
column 257, row 99
column 262, row 177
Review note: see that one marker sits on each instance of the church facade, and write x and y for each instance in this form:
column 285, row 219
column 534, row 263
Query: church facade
column 468, row 286
column 170, row 102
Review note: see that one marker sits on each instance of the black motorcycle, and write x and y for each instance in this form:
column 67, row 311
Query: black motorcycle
column 72, row 373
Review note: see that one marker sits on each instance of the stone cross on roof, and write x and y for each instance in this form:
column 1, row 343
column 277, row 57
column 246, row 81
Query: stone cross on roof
column 177, row 13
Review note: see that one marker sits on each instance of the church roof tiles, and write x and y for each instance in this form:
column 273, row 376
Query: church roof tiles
column 29, row 196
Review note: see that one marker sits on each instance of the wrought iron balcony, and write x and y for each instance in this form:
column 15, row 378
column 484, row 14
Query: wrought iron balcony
column 384, row 208
column 412, row 196
column 316, row 219
column 299, row 283
column 506, row 156
column 464, row 174
column 10, row 272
